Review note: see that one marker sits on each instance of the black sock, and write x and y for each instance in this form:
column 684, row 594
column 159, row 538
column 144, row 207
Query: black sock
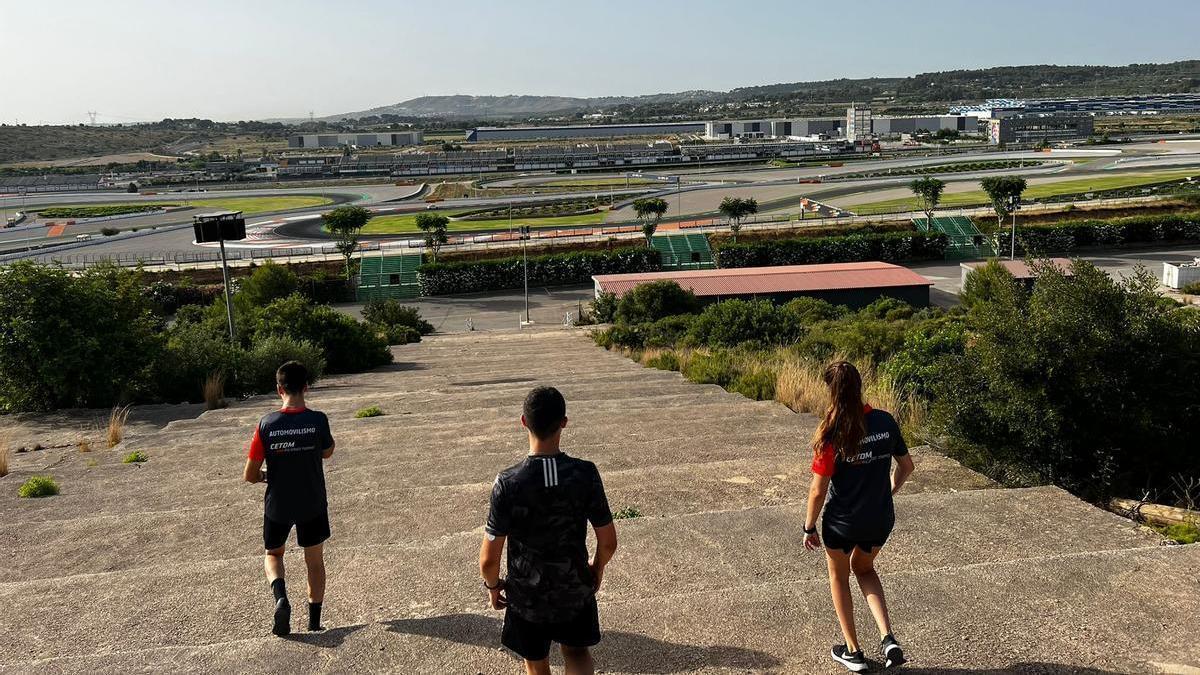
column 314, row 615
column 278, row 589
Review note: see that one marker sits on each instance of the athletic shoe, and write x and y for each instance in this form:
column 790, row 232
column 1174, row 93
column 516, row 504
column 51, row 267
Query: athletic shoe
column 893, row 655
column 853, row 661
column 283, row 618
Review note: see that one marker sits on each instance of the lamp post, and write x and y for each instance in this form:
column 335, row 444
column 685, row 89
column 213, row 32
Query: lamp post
column 218, row 227
column 525, row 265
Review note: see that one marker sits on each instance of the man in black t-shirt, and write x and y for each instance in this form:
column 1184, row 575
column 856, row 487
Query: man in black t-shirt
column 293, row 442
column 541, row 507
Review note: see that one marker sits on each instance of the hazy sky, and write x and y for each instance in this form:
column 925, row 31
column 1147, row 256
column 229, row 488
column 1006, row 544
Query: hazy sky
column 252, row 59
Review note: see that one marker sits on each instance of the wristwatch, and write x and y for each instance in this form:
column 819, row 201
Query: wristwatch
column 499, row 583
column 812, row 531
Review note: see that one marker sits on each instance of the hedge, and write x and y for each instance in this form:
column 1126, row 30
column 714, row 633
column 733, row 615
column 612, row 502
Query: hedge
column 887, row 247
column 546, row 270
column 1065, row 237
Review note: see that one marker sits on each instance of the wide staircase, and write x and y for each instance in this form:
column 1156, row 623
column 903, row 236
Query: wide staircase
column 158, row 567
column 684, row 251
column 965, row 240
column 388, row 276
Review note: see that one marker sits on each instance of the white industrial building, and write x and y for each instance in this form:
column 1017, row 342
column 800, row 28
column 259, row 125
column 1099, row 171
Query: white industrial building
column 858, row 124
column 358, row 139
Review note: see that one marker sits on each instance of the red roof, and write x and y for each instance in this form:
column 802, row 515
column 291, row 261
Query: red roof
column 1020, row 270
column 771, row 280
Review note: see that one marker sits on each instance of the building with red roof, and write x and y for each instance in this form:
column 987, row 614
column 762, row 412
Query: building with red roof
column 853, row 284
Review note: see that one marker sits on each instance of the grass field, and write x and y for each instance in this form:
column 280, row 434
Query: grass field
column 1041, row 191
column 600, row 182
column 247, row 205
column 401, row 223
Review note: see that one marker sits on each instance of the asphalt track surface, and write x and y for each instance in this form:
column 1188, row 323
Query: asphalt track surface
column 698, row 196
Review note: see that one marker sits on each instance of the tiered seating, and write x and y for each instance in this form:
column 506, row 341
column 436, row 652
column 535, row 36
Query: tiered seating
column 388, row 276
column 684, row 252
column 966, row 241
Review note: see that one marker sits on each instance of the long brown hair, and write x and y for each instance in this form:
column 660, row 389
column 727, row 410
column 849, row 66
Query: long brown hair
column 844, row 423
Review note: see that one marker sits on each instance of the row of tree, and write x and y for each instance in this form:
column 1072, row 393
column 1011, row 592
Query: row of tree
column 650, row 211
column 1004, row 193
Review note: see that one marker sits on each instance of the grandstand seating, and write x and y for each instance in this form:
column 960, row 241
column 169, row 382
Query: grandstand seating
column 684, row 252
column 966, row 241
column 388, row 276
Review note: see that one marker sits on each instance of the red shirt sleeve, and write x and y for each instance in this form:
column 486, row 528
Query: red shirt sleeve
column 824, row 461
column 257, row 452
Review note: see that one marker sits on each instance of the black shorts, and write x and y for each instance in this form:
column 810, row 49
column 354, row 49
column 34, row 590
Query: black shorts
column 531, row 641
column 309, row 533
column 832, row 539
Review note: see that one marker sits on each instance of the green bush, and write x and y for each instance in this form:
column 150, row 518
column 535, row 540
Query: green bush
column 109, row 231
column 985, row 284
column 664, row 361
column 257, row 375
column 711, row 368
column 1191, row 289
column 135, row 457
column 1180, row 533
column 167, row 298
column 400, row 335
column 350, row 346
column 38, row 486
column 627, row 513
column 757, row 384
column 668, row 331
column 548, row 270
column 656, row 300
column 370, row 411
column 732, row 322
column 391, row 312
column 195, row 350
column 1066, row 237
column 887, row 247
column 268, row 282
column 812, row 310
column 75, row 341
column 604, row 308
column 97, row 211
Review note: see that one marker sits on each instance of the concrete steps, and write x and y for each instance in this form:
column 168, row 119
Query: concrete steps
column 137, row 566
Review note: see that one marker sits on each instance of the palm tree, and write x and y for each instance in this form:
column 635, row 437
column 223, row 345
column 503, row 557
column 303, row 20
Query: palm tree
column 736, row 208
column 650, row 211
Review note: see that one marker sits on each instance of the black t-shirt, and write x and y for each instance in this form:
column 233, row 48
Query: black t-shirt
column 291, row 441
column 860, row 505
column 543, row 506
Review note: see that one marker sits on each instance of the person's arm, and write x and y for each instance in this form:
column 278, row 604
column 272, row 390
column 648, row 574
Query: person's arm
column 904, row 469
column 326, row 441
column 327, row 452
column 822, row 469
column 255, row 456
column 489, row 570
column 606, row 547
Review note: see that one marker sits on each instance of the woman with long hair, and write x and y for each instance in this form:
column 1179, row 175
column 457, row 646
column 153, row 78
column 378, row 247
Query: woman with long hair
column 853, row 449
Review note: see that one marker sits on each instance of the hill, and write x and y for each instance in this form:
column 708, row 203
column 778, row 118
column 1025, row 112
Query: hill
column 1037, row 81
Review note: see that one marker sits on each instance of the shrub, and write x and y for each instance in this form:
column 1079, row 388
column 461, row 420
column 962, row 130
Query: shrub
column 887, row 247
column 732, row 322
column 629, row 512
column 257, row 375
column 109, row 231
column 135, row 457
column 711, row 368
column 1191, row 289
column 4, row 451
column 196, row 352
column 604, row 308
column 67, row 341
column 38, row 486
column 986, row 283
column 668, row 331
column 400, row 335
column 812, row 310
column 549, row 270
column 757, row 384
column 654, row 301
column 349, row 346
column 370, row 411
column 662, row 361
column 268, row 283
column 1065, row 237
column 391, row 312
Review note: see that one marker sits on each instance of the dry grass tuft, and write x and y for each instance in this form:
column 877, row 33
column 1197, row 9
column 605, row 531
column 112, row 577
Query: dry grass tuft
column 84, row 445
column 4, row 450
column 214, row 391
column 115, row 432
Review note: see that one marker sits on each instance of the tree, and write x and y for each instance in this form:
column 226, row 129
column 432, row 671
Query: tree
column 434, row 227
column 1000, row 190
column 735, row 209
column 132, row 188
column 345, row 223
column 650, row 211
column 929, row 192
column 987, row 283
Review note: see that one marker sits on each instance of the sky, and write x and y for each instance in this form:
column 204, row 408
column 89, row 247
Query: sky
column 139, row 60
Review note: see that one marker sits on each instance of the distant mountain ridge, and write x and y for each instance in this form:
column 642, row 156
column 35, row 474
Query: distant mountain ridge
column 1038, row 81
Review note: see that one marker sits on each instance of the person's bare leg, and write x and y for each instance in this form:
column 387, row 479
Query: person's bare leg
column 843, row 601
column 314, row 560
column 537, row 667
column 863, row 566
column 578, row 660
column 273, row 564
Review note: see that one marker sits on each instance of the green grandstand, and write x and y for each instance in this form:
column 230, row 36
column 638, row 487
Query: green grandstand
column 388, row 276
column 684, row 252
column 966, row 241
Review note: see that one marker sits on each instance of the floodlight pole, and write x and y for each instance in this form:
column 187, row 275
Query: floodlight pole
column 228, row 301
column 1014, row 203
column 525, row 264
